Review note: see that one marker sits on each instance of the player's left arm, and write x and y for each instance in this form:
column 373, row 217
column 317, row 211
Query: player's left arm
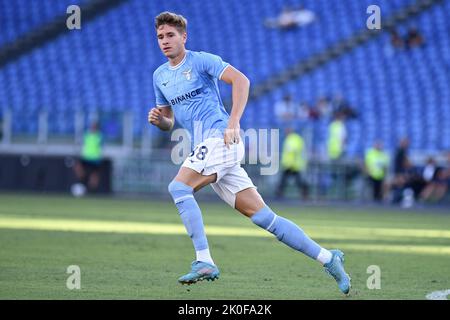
column 240, row 90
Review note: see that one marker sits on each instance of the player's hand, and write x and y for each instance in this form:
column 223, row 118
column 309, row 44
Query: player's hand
column 231, row 135
column 155, row 116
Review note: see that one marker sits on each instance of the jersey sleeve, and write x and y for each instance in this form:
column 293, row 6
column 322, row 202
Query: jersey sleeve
column 160, row 99
column 212, row 64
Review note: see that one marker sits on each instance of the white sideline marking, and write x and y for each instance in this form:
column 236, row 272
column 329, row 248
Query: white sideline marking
column 438, row 295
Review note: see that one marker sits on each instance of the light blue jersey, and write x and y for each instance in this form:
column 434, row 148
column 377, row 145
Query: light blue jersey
column 191, row 90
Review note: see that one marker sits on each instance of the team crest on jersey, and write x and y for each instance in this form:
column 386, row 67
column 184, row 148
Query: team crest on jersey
column 187, row 74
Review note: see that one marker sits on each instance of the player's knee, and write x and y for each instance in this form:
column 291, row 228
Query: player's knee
column 180, row 191
column 264, row 218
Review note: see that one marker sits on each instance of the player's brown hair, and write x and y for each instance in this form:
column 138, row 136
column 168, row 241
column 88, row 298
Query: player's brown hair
column 171, row 19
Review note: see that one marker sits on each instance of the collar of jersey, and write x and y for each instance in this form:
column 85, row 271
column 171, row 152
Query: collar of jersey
column 181, row 63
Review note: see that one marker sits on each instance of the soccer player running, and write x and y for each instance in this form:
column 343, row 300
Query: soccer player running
column 186, row 89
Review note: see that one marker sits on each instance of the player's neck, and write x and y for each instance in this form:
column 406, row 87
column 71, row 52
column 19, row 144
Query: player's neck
column 175, row 61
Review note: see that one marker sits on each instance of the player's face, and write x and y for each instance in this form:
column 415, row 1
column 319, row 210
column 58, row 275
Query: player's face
column 171, row 42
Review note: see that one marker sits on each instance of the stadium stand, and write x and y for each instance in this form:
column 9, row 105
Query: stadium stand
column 23, row 16
column 107, row 66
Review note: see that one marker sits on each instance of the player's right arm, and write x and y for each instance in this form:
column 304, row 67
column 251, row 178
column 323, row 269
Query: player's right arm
column 162, row 117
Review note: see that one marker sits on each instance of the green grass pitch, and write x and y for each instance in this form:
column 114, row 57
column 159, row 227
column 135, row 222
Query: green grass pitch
column 136, row 249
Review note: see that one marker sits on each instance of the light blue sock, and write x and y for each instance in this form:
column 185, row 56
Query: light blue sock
column 190, row 213
column 286, row 231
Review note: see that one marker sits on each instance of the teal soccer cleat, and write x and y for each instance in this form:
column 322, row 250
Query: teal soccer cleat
column 200, row 271
column 335, row 268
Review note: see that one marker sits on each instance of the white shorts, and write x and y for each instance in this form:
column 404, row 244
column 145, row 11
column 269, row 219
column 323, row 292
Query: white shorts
column 212, row 156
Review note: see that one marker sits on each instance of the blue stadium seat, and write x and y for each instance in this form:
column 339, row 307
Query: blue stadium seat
column 108, row 65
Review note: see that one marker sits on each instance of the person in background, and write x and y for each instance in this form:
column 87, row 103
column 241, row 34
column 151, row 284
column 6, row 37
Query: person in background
column 401, row 160
column 324, row 107
column 414, row 38
column 408, row 181
column 87, row 169
column 376, row 165
column 286, row 109
column 1, row 127
column 291, row 18
column 396, row 40
column 436, row 180
column 337, row 135
column 293, row 162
